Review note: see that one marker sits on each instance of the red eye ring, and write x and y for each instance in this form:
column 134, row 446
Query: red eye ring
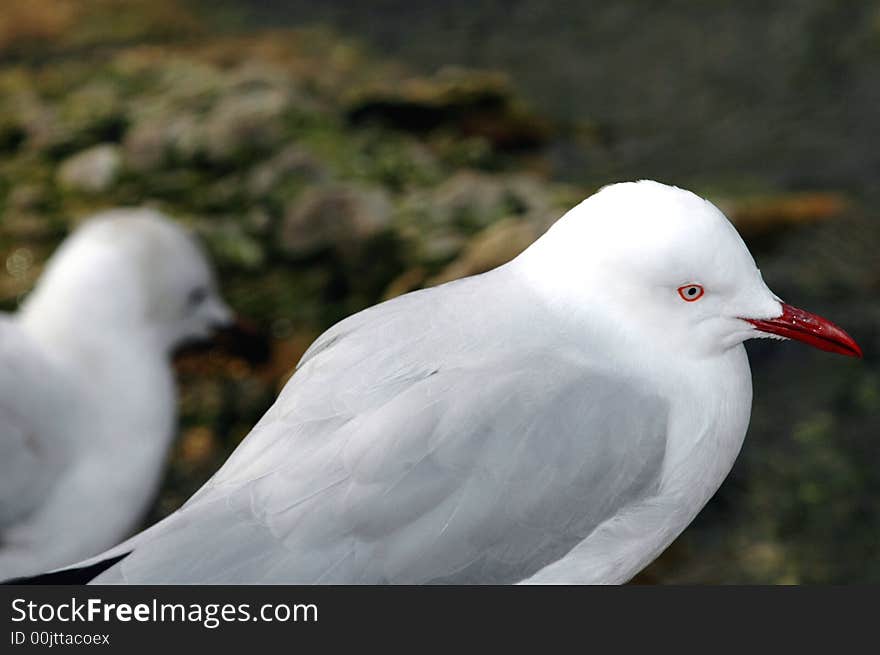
column 691, row 292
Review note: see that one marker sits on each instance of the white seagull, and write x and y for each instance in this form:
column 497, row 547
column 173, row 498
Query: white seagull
column 560, row 419
column 87, row 395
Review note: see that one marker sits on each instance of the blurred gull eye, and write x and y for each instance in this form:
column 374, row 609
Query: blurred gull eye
column 197, row 296
column 690, row 292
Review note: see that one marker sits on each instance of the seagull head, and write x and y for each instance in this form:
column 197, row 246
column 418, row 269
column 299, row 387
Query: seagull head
column 133, row 273
column 665, row 269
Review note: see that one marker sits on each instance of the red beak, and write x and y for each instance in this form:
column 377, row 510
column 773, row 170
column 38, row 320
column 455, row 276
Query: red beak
column 812, row 329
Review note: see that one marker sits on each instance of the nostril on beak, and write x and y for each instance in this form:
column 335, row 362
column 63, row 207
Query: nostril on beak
column 221, row 317
column 222, row 323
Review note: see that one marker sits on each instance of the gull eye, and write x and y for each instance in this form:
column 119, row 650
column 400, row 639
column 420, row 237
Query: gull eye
column 690, row 292
column 197, row 296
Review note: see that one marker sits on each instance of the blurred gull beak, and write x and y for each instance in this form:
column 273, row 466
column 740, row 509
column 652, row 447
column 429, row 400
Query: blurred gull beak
column 244, row 339
column 220, row 315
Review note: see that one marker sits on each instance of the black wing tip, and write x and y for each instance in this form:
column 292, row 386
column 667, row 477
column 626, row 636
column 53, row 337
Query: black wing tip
column 79, row 576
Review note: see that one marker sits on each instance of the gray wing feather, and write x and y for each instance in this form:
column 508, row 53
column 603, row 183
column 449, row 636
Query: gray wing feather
column 391, row 458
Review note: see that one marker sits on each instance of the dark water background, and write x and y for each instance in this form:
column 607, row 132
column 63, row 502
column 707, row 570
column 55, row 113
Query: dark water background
column 745, row 92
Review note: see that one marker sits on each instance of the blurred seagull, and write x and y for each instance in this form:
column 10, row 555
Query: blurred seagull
column 87, row 397
column 560, row 419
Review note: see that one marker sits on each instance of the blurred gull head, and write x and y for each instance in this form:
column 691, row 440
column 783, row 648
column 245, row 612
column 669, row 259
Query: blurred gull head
column 131, row 272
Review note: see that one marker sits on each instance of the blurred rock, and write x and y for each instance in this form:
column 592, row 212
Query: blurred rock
column 154, row 142
column 496, row 245
column 405, row 282
column 26, row 197
column 469, row 198
column 146, row 145
column 258, row 221
column 243, row 124
column 471, row 103
column 335, row 216
column 179, row 83
column 184, row 137
column 437, row 245
column 26, row 226
column 196, row 113
column 231, row 245
column 36, row 118
column 93, row 170
column 438, row 221
column 469, row 201
column 761, row 215
column 92, row 112
column 537, row 201
column 291, row 161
